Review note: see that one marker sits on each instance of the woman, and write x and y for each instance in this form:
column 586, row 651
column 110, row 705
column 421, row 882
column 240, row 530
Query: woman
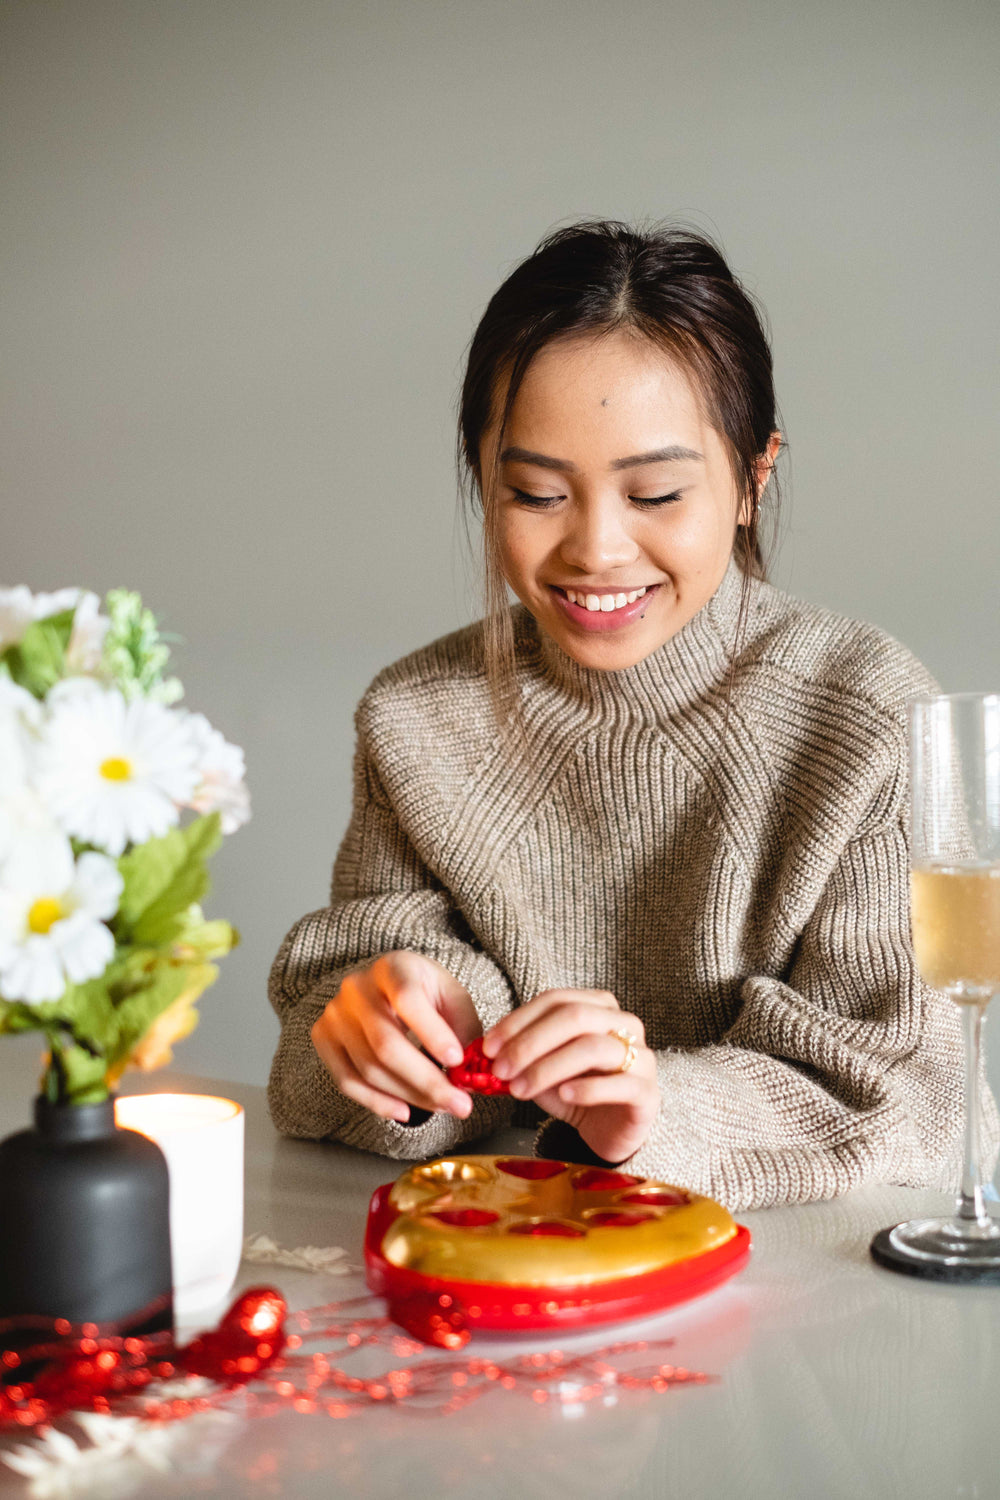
column 646, row 829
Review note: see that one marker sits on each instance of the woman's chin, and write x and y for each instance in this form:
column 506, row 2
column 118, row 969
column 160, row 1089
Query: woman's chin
column 606, row 653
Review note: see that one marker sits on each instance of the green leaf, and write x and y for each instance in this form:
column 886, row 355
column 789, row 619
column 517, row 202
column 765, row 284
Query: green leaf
column 82, row 1077
column 162, row 879
column 16, row 1015
column 37, row 661
column 167, row 983
column 198, row 939
column 87, row 1010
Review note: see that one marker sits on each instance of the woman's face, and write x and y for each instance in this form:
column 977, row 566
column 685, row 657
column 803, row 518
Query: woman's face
column 612, row 482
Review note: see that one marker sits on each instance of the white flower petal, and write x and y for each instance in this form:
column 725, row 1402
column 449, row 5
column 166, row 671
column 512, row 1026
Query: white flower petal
column 14, row 907
column 24, row 1460
column 72, row 690
column 85, row 730
column 97, row 886
column 16, row 699
column 221, row 787
column 147, row 812
column 84, row 947
column 86, row 643
column 45, row 605
column 41, row 866
column 34, row 972
column 61, row 1445
column 16, row 614
column 20, row 720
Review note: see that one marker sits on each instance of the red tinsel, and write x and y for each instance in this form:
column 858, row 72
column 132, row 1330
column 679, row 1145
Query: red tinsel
column 258, row 1349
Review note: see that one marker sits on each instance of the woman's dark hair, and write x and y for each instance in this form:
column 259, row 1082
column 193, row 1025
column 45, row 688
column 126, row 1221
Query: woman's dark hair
column 597, row 277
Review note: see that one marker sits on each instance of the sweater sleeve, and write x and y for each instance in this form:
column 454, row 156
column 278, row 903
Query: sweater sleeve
column 848, row 1069
column 383, row 899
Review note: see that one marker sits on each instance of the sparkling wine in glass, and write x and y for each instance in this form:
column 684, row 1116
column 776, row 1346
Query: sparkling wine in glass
column 955, row 887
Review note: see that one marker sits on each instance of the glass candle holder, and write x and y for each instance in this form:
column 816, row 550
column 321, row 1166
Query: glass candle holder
column 201, row 1137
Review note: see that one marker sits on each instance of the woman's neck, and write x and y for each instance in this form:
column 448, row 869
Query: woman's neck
column 696, row 660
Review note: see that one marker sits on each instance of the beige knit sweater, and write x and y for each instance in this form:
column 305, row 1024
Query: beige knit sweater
column 743, row 889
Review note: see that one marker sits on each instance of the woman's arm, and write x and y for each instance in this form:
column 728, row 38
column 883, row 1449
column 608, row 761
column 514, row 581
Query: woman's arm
column 383, row 900
column 848, row 1071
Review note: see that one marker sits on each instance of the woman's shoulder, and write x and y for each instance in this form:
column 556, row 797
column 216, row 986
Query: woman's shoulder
column 452, row 658
column 441, row 685
column 830, row 656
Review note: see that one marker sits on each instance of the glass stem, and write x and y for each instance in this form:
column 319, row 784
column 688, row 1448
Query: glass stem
column 970, row 1201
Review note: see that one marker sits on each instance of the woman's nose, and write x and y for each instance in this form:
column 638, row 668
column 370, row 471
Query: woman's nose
column 597, row 538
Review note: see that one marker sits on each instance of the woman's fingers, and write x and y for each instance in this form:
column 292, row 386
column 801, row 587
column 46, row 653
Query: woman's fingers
column 512, row 1025
column 385, row 1057
column 557, row 1024
column 361, row 1040
column 347, row 1079
column 427, row 999
column 612, row 1088
column 596, row 1052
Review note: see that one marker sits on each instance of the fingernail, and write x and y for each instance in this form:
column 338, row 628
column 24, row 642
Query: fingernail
column 461, row 1104
column 518, row 1088
column 501, row 1070
column 402, row 1114
column 490, row 1045
column 452, row 1056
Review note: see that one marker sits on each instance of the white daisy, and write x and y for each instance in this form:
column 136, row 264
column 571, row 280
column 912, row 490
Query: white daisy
column 83, row 654
column 24, row 818
column 25, row 821
column 113, row 772
column 221, row 769
column 20, row 721
column 52, row 920
column 19, row 608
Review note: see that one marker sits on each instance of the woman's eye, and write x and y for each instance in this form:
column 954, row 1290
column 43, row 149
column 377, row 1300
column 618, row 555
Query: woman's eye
column 657, row 499
column 537, row 500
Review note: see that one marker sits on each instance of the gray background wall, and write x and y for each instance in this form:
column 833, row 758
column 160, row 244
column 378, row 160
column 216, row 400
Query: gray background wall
column 245, row 246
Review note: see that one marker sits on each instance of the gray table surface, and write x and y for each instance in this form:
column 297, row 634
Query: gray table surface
column 835, row 1378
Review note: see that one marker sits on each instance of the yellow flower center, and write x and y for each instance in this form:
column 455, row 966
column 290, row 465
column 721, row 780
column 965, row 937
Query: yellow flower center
column 116, row 769
column 44, row 911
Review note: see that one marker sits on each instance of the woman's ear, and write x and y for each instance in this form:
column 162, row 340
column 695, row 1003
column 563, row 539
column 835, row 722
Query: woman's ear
column 764, row 467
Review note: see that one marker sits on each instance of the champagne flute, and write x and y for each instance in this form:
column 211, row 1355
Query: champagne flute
column 955, row 887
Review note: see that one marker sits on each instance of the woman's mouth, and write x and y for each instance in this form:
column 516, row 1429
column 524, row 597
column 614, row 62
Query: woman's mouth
column 602, row 612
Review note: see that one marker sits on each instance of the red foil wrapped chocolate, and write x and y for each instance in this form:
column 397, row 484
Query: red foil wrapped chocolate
column 474, row 1072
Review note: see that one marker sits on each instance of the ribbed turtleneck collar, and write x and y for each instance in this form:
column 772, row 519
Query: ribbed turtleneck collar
column 677, row 674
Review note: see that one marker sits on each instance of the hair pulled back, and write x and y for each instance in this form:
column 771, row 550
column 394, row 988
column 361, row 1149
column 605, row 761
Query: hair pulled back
column 597, row 277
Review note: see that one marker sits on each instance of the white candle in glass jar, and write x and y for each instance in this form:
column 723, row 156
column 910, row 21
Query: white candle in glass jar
column 202, row 1139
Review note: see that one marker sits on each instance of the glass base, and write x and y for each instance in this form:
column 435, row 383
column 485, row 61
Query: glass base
column 941, row 1249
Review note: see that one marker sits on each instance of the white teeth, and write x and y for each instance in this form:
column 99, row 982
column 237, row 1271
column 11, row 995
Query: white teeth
column 603, row 602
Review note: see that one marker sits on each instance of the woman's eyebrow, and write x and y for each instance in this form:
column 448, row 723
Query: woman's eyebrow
column 675, row 453
column 672, row 455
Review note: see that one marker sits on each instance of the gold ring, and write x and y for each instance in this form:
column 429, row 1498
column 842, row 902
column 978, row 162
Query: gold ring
column 628, row 1041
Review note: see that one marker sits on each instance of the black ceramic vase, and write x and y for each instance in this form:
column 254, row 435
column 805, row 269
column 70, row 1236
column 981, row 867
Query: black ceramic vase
column 84, row 1221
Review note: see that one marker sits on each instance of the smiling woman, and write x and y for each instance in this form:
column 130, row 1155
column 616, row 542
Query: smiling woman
column 644, row 831
column 616, row 547
column 607, row 337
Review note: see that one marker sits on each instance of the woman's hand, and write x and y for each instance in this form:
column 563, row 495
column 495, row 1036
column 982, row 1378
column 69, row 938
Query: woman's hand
column 559, row 1050
column 362, row 1035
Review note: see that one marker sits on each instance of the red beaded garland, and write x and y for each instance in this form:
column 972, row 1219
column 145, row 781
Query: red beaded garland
column 255, row 1351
